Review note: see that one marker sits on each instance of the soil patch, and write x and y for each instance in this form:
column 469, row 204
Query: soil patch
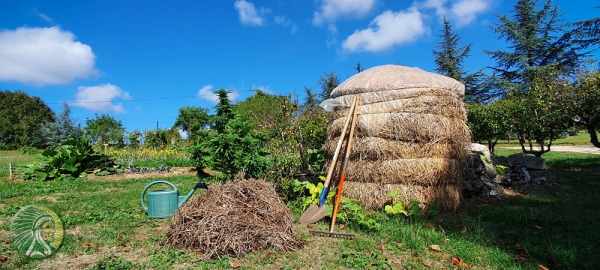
column 175, row 171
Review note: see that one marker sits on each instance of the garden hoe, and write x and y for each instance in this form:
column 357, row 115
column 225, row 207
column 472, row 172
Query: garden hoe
column 315, row 213
column 336, row 206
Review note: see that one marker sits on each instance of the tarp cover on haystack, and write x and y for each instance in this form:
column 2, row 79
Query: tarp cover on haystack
column 234, row 219
column 411, row 135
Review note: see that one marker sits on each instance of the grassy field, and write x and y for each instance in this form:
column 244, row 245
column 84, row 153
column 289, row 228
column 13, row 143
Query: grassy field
column 555, row 225
column 582, row 138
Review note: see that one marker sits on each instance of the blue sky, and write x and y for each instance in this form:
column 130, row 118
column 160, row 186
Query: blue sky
column 140, row 61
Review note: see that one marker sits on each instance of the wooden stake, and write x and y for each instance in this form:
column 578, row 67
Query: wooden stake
column 10, row 170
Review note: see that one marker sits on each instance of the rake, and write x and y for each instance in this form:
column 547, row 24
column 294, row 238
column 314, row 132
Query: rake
column 331, row 233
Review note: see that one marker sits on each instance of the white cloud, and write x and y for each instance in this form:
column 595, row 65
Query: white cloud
column 465, row 11
column 387, row 30
column 438, row 5
column 332, row 10
column 285, row 22
column 42, row 56
column 459, row 12
column 207, row 92
column 100, row 98
column 248, row 13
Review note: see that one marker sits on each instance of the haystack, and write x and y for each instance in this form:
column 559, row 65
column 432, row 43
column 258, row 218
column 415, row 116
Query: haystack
column 411, row 135
column 234, row 219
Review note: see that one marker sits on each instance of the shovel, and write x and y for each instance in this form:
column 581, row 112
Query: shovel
column 315, row 213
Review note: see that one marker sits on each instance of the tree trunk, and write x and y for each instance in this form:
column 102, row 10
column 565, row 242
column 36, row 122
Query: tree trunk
column 593, row 136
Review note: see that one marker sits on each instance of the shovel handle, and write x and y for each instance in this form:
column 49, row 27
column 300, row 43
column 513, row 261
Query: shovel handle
column 346, row 157
column 337, row 151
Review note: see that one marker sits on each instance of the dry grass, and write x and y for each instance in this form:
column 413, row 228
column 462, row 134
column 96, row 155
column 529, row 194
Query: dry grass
column 235, row 219
column 449, row 106
column 374, row 196
column 418, row 171
column 408, row 127
column 374, row 148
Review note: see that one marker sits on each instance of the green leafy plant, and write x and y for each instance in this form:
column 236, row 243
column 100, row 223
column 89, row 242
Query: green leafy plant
column 75, row 158
column 353, row 213
column 396, row 208
column 415, row 207
column 232, row 147
column 113, row 262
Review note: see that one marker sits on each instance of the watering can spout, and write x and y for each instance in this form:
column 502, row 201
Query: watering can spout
column 183, row 199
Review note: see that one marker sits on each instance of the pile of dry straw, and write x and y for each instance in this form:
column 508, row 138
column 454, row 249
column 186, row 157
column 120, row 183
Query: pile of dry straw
column 411, row 135
column 234, row 219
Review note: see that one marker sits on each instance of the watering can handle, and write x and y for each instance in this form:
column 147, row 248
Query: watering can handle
column 144, row 206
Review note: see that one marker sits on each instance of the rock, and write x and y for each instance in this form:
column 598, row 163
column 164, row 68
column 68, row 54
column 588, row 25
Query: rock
column 488, row 182
column 529, row 162
column 539, row 180
column 481, row 149
column 490, row 170
column 525, row 175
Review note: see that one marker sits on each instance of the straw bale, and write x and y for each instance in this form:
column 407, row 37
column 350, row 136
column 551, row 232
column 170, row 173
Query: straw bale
column 409, row 127
column 373, row 196
column 445, row 106
column 374, row 148
column 394, row 77
column 421, row 171
column 234, row 219
column 391, row 95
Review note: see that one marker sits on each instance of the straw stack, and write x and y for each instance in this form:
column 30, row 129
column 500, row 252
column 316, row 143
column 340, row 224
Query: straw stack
column 411, row 135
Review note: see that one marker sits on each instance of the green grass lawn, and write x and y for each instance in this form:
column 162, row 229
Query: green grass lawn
column 555, row 225
column 582, row 138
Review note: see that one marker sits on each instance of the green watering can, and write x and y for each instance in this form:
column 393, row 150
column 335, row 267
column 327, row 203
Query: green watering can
column 164, row 203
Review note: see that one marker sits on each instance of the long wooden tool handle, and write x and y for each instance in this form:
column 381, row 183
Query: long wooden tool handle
column 336, row 153
column 346, row 157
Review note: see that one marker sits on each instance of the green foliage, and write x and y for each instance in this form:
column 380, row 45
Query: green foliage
column 161, row 138
column 349, row 212
column 27, row 150
column 488, row 123
column 113, row 262
column 105, row 129
column 232, row 147
column 328, row 82
column 63, row 128
column 163, row 257
column 134, row 139
column 22, row 118
column 73, row 159
column 269, row 114
column 191, row 119
column 352, row 213
column 536, row 40
column 397, row 207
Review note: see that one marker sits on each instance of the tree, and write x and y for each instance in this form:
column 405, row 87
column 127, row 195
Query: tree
column 449, row 57
column 536, row 115
column 587, row 33
column 232, row 147
column 310, row 101
column 359, row 68
column 536, row 42
column 191, row 119
column 267, row 113
column 328, row 82
column 63, row 128
column 488, row 122
column 579, row 100
column 21, row 120
column 224, row 111
column 104, row 129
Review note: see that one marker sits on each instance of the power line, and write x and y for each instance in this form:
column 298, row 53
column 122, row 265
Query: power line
column 143, row 99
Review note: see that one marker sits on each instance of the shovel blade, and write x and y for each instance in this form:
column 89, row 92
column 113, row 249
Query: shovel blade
column 313, row 214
